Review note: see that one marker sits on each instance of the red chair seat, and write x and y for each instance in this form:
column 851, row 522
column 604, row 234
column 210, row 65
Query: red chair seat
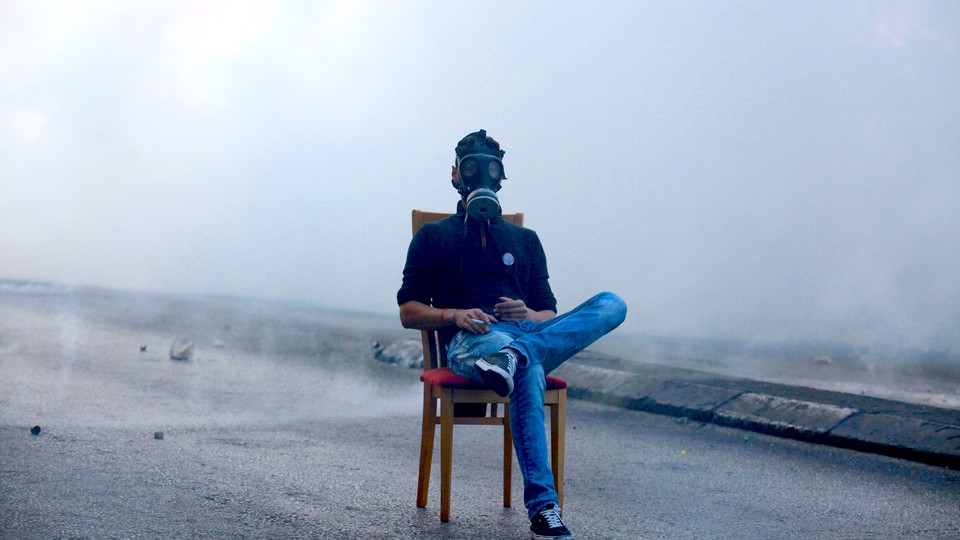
column 446, row 378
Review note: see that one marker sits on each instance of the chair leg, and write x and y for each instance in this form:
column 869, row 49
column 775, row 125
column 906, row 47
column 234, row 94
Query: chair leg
column 558, row 426
column 446, row 452
column 428, row 432
column 507, row 456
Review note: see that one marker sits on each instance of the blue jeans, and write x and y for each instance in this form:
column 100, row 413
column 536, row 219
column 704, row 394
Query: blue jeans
column 544, row 345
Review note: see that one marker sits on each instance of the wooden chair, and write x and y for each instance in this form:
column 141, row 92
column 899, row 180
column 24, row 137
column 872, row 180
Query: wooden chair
column 463, row 401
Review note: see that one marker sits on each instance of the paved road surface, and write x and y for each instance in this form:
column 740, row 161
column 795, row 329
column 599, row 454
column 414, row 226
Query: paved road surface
column 262, row 442
column 355, row 478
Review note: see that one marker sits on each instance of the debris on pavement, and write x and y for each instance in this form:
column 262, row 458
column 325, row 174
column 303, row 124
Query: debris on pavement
column 406, row 352
column 182, row 349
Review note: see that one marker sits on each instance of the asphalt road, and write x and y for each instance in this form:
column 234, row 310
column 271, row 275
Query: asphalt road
column 263, row 442
column 627, row 477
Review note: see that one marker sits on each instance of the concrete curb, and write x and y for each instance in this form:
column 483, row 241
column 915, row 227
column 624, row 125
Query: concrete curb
column 915, row 432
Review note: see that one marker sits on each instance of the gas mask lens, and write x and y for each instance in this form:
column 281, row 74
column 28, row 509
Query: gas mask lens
column 469, row 169
column 495, row 170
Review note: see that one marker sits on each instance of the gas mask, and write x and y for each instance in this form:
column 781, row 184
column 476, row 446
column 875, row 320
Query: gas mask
column 480, row 176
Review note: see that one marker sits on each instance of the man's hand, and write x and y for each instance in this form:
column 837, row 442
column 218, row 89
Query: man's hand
column 420, row 316
column 512, row 310
column 466, row 319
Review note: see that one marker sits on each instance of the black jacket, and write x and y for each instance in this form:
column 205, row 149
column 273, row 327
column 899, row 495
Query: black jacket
column 453, row 264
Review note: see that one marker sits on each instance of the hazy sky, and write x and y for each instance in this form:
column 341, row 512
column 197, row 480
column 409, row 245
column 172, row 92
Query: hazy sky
column 758, row 170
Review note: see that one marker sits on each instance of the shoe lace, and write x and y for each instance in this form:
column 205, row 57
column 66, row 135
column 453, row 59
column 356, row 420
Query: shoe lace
column 552, row 517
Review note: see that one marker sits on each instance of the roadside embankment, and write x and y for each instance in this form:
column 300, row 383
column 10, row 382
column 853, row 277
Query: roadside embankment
column 915, row 432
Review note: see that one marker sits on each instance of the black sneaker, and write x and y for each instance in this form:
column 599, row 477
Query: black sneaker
column 548, row 525
column 497, row 371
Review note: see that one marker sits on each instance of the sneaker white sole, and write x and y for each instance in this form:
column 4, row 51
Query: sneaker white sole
column 496, row 378
column 536, row 536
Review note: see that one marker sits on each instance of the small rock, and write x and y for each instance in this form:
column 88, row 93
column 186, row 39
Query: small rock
column 182, row 349
column 35, row 430
column 158, row 435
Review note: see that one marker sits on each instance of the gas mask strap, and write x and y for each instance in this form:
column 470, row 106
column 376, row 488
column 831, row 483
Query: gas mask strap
column 484, row 227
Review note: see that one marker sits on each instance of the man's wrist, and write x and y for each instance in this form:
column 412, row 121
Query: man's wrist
column 443, row 316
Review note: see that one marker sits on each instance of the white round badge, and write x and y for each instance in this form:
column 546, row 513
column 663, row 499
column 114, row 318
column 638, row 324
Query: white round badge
column 508, row 259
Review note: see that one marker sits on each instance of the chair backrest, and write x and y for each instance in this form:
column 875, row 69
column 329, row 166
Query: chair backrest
column 434, row 353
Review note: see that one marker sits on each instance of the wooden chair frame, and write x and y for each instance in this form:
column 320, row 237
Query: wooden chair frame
column 474, row 405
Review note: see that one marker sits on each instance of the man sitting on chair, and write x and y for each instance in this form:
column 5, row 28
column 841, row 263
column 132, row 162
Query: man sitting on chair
column 483, row 284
